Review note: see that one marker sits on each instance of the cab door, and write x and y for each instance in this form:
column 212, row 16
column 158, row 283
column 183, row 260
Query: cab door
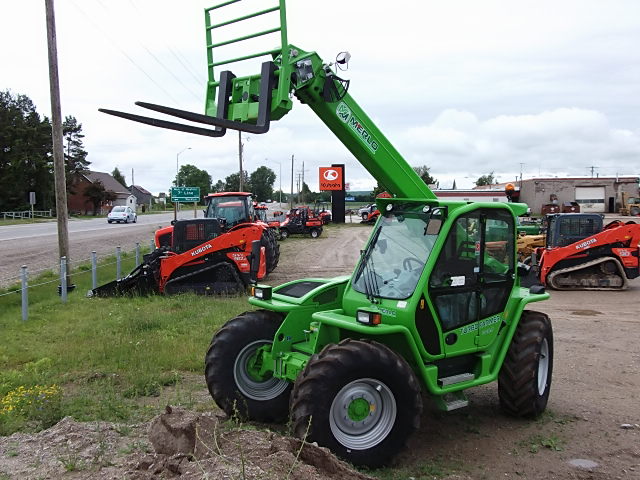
column 470, row 283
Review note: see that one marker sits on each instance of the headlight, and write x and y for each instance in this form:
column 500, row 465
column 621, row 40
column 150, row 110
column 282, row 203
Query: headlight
column 261, row 292
column 368, row 318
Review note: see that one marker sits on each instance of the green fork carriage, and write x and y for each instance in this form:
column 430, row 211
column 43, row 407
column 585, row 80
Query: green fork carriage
column 434, row 305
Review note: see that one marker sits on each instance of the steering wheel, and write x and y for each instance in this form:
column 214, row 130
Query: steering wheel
column 406, row 263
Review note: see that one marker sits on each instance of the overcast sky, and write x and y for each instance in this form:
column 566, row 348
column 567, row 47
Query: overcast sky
column 465, row 87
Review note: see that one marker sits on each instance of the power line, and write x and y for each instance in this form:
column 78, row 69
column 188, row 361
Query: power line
column 158, row 61
column 124, row 53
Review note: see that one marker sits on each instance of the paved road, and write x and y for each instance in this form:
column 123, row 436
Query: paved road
column 36, row 244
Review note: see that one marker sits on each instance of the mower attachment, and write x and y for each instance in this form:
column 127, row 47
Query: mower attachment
column 221, row 123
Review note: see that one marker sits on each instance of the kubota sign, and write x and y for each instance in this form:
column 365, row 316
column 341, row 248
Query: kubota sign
column 331, row 178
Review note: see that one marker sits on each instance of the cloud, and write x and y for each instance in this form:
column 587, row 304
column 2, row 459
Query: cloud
column 563, row 140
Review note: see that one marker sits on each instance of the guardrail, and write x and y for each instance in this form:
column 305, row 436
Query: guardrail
column 65, row 272
column 27, row 214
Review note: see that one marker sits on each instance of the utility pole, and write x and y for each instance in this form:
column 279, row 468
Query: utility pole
column 240, row 156
column 521, row 165
column 291, row 198
column 56, row 131
column 132, row 182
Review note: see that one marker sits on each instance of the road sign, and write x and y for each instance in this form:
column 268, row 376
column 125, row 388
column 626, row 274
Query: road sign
column 185, row 194
column 32, row 198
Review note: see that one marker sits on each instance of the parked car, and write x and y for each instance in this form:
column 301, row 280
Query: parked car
column 365, row 211
column 122, row 214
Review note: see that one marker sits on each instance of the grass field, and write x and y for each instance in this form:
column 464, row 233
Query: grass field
column 102, row 359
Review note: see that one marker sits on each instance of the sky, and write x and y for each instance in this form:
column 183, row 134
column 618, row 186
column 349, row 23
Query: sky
column 542, row 88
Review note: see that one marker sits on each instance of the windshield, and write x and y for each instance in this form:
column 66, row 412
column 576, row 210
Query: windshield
column 117, row 209
column 232, row 208
column 392, row 264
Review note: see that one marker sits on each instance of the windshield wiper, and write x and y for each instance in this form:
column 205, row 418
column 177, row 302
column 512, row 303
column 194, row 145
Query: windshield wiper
column 373, row 292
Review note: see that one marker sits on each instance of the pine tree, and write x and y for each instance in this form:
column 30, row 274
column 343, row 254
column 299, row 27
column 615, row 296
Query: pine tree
column 119, row 177
column 75, row 156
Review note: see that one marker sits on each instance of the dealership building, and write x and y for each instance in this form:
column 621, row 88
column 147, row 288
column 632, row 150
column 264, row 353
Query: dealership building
column 592, row 194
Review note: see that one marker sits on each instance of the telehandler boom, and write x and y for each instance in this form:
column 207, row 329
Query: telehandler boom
column 428, row 309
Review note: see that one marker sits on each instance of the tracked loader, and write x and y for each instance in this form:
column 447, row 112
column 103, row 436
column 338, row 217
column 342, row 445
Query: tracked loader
column 582, row 254
column 210, row 255
column 428, row 310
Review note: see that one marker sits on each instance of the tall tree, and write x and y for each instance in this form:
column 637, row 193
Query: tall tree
column 262, row 180
column 232, row 182
column 75, row 156
column 192, row 176
column 487, row 179
column 97, row 195
column 25, row 153
column 423, row 172
column 119, row 176
column 218, row 187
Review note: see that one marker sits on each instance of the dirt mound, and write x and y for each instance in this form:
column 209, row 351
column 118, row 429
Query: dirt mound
column 176, row 444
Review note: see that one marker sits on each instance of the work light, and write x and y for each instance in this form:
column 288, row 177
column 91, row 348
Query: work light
column 261, row 292
column 369, row 318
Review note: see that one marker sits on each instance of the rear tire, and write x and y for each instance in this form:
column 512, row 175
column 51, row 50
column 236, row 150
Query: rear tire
column 233, row 387
column 359, row 399
column 524, row 382
column 272, row 249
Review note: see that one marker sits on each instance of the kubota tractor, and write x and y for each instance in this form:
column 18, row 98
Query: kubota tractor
column 429, row 308
column 208, row 255
column 322, row 211
column 581, row 254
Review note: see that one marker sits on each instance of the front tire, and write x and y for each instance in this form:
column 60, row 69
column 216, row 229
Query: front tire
column 524, row 382
column 365, row 216
column 284, row 233
column 315, row 233
column 359, row 399
column 272, row 249
column 230, row 377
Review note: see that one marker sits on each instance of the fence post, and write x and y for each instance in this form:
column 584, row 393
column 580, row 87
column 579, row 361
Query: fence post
column 63, row 279
column 118, row 266
column 94, row 270
column 137, row 253
column 25, row 290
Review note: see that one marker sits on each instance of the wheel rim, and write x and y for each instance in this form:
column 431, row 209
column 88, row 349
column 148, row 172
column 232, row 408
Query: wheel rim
column 543, row 367
column 362, row 414
column 246, row 380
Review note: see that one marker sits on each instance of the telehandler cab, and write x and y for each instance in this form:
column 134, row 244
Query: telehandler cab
column 429, row 309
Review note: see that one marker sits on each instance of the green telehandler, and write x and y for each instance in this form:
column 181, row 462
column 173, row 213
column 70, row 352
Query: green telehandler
column 434, row 306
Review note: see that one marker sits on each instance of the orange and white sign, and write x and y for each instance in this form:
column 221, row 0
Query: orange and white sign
column 331, row 178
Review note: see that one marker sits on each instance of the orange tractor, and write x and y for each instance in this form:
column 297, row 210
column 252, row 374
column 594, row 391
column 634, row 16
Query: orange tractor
column 222, row 252
column 581, row 254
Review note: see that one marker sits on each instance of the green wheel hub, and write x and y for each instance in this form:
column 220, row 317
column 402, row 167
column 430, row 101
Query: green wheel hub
column 246, row 373
column 362, row 414
column 359, row 409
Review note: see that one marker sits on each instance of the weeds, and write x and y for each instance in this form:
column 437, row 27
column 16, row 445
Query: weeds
column 535, row 442
column 71, row 461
